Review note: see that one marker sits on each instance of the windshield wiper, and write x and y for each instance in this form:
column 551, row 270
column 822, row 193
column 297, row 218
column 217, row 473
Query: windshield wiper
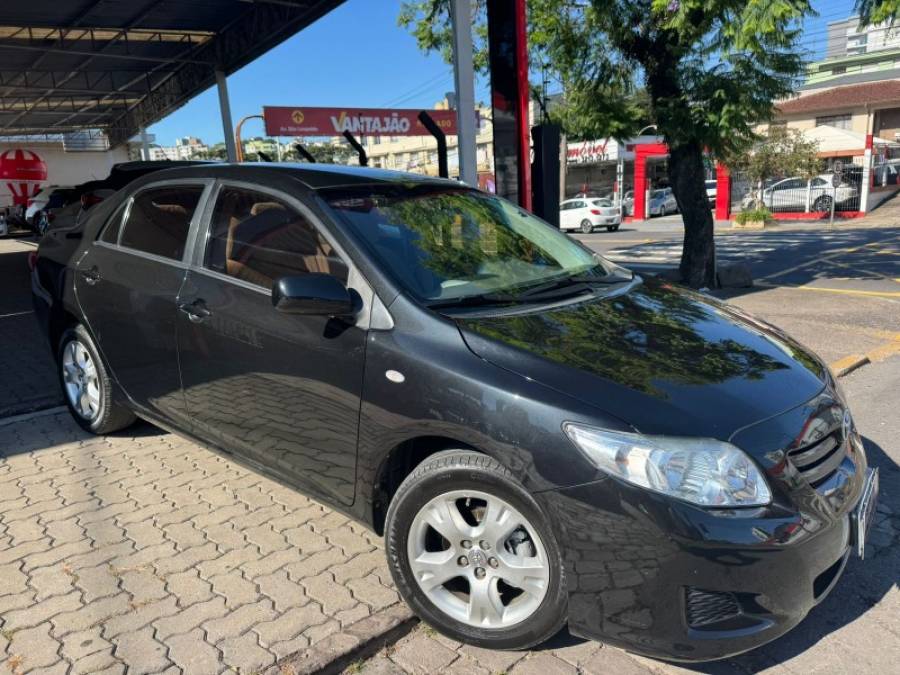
column 475, row 300
column 585, row 280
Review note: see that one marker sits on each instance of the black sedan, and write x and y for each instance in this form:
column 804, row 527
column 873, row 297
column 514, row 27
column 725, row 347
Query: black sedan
column 541, row 436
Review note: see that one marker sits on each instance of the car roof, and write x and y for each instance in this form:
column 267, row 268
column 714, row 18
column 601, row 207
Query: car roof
column 313, row 176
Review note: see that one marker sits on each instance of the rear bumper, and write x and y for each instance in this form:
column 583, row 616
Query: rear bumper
column 671, row 581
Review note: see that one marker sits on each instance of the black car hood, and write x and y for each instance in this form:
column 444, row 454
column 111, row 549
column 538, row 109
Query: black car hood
column 661, row 358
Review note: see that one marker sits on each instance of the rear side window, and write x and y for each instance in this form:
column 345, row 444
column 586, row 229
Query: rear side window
column 110, row 233
column 258, row 238
column 159, row 219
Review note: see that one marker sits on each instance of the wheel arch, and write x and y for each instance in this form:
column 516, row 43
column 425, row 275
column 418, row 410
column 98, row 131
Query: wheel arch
column 398, row 463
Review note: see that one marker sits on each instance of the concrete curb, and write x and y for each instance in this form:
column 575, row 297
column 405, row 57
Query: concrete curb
column 24, row 417
column 358, row 641
column 848, row 364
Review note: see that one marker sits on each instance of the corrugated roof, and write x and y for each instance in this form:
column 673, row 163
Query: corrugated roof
column 850, row 96
column 67, row 65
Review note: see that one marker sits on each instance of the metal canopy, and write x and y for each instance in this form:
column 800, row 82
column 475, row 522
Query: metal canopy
column 119, row 65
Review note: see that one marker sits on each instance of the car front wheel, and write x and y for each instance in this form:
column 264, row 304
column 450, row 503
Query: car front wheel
column 87, row 386
column 473, row 554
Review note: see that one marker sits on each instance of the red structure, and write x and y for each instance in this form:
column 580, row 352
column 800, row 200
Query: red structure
column 641, row 152
column 23, row 171
column 723, row 192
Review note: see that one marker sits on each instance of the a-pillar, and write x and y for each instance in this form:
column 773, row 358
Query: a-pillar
column 723, row 192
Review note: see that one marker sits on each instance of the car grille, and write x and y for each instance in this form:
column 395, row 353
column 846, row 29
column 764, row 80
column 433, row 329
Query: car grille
column 710, row 607
column 818, row 461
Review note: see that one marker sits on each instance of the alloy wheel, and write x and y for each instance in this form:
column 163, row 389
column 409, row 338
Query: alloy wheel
column 81, row 381
column 478, row 559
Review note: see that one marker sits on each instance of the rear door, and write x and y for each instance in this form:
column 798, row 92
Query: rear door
column 283, row 391
column 127, row 283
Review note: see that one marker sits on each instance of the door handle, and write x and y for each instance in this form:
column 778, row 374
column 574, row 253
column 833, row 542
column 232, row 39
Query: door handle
column 92, row 276
column 196, row 311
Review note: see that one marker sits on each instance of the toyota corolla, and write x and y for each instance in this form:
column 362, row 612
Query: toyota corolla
column 542, row 437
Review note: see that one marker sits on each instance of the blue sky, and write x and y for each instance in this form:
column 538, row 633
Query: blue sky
column 354, row 56
column 358, row 56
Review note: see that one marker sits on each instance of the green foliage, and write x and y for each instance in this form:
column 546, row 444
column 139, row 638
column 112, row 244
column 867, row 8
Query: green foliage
column 876, row 11
column 706, row 71
column 757, row 215
column 780, row 153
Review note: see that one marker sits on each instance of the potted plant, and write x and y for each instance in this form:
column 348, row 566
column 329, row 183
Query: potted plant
column 755, row 218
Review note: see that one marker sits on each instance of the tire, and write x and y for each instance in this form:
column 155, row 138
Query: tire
column 612, row 228
column 822, row 203
column 82, row 371
column 444, row 481
column 586, row 226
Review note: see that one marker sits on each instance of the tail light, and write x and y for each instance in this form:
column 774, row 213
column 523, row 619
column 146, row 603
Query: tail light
column 32, row 260
column 595, row 212
column 89, row 199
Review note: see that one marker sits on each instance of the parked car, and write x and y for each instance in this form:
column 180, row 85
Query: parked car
column 662, row 202
column 589, row 213
column 44, row 211
column 790, row 194
column 93, row 192
column 711, row 190
column 543, row 437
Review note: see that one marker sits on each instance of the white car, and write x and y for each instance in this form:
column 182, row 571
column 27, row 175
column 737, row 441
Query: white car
column 711, row 190
column 587, row 213
column 662, row 202
column 37, row 203
column 789, row 194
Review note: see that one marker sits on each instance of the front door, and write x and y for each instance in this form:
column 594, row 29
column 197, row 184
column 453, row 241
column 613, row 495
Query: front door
column 127, row 283
column 283, row 391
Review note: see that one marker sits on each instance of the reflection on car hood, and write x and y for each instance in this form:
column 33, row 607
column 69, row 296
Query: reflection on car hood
column 662, row 358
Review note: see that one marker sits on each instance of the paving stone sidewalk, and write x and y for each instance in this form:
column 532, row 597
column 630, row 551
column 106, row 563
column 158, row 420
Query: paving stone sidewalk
column 144, row 553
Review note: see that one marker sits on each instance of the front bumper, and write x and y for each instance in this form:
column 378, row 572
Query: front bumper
column 652, row 574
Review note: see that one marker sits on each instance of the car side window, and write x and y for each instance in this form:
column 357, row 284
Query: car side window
column 159, row 219
column 258, row 238
column 110, row 233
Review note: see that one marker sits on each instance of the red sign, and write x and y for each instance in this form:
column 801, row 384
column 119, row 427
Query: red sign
column 282, row 121
column 24, row 171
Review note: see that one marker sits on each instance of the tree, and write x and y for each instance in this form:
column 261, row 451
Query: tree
column 710, row 68
column 877, row 11
column 780, row 153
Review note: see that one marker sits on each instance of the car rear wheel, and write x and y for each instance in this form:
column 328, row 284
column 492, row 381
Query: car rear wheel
column 586, row 226
column 473, row 554
column 823, row 203
column 87, row 386
column 612, row 228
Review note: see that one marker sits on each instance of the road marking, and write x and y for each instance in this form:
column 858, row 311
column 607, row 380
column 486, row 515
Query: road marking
column 847, row 291
column 7, row 316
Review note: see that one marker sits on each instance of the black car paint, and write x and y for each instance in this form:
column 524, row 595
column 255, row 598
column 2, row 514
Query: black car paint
column 649, row 357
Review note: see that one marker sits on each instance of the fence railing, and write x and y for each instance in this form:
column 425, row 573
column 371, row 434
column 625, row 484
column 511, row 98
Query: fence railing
column 799, row 195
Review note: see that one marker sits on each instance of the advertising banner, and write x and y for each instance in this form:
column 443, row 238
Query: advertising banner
column 297, row 121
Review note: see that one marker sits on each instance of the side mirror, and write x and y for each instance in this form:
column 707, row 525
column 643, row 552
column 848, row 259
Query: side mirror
column 312, row 294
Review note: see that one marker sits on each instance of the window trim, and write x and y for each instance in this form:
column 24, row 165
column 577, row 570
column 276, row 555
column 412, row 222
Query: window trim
column 197, row 260
column 205, row 183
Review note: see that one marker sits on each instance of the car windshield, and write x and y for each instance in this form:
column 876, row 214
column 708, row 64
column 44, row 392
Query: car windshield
column 658, row 194
column 445, row 243
column 602, row 202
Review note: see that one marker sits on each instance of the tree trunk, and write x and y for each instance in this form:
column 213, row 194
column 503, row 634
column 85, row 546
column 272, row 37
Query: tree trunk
column 698, row 257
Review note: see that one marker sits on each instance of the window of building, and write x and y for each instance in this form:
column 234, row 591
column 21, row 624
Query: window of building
column 159, row 220
column 258, row 238
column 839, row 121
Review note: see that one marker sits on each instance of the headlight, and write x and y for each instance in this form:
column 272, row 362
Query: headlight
column 702, row 471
